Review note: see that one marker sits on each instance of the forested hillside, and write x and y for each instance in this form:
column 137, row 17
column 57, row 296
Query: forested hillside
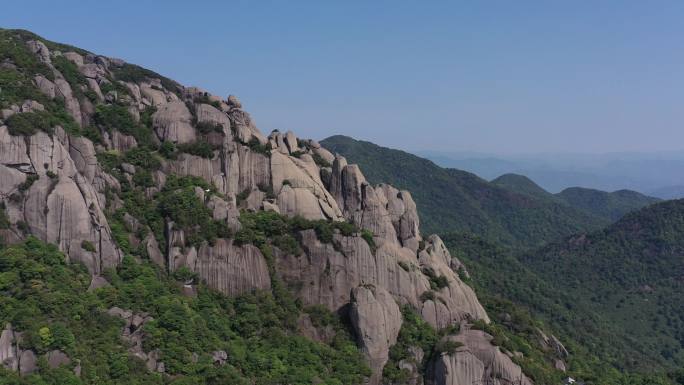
column 631, row 272
column 611, row 205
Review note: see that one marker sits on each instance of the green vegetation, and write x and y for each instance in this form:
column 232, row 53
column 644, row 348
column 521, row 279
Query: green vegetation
column 30, row 179
column 608, row 206
column 109, row 160
column 256, row 146
column 29, row 123
column 4, row 219
column 452, row 200
column 262, row 226
column 199, row 148
column 614, row 297
column 367, row 236
column 142, row 157
column 71, row 74
column 630, row 273
column 136, row 74
column 47, row 299
column 414, row 332
column 16, row 87
column 320, row 161
column 115, row 117
column 167, row 149
column 437, row 282
column 523, row 185
column 115, row 86
column 612, row 205
column 184, row 208
column 208, row 127
column 586, row 297
column 17, row 84
column 88, row 246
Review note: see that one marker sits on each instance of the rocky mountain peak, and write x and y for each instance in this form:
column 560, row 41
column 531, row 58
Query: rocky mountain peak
column 104, row 158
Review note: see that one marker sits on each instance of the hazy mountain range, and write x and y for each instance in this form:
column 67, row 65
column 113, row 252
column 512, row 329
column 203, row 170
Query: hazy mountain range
column 655, row 174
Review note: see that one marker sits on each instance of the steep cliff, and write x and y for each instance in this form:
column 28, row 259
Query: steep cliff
column 104, row 159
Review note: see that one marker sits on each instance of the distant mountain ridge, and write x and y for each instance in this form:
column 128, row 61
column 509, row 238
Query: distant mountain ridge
column 454, row 200
column 523, row 185
column 654, row 174
column 607, row 205
column 612, row 205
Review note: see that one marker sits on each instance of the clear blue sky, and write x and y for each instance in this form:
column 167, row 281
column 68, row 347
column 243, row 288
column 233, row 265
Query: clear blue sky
column 493, row 76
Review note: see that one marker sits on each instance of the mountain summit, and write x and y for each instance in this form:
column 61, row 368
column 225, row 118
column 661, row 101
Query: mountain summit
column 126, row 172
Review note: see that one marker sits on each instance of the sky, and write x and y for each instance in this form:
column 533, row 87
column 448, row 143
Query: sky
column 487, row 76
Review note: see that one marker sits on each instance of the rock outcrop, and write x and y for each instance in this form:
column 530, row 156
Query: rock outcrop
column 44, row 189
column 475, row 361
column 133, row 335
column 377, row 320
column 53, row 187
column 12, row 356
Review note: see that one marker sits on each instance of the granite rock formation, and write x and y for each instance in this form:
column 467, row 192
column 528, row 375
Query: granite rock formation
column 53, row 187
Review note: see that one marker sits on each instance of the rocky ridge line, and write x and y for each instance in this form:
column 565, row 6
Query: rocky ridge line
column 53, row 187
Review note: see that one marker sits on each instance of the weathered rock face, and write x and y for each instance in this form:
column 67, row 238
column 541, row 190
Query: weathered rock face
column 232, row 269
column 61, row 206
column 377, row 320
column 12, row 356
column 332, row 275
column 8, row 349
column 54, row 188
column 172, row 122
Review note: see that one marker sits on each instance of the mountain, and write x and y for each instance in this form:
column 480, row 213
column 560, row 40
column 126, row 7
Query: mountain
column 453, row 200
column 631, row 273
column 611, row 205
column 151, row 234
column 643, row 172
column 523, row 185
column 668, row 192
column 514, row 292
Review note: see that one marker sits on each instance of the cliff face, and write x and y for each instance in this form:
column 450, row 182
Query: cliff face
column 56, row 184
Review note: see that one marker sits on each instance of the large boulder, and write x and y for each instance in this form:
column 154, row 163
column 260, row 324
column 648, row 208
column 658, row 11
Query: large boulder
column 8, row 349
column 376, row 318
column 210, row 115
column 73, row 107
column 57, row 358
column 40, row 50
column 172, row 122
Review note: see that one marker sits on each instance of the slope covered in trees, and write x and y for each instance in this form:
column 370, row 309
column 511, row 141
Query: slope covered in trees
column 631, row 272
column 611, row 205
column 50, row 301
